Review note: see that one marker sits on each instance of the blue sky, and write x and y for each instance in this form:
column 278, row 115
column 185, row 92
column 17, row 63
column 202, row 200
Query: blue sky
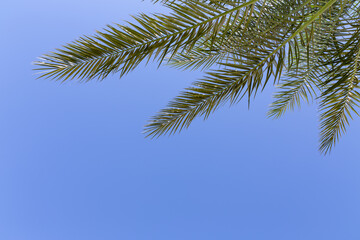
column 74, row 164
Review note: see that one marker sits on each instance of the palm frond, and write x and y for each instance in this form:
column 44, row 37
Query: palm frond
column 206, row 96
column 244, row 73
column 122, row 48
column 341, row 97
column 310, row 48
column 302, row 79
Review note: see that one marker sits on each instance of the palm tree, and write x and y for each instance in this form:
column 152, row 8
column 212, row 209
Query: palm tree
column 309, row 48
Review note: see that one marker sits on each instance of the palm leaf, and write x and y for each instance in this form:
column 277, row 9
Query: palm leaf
column 341, row 96
column 302, row 80
column 122, row 48
column 245, row 73
column 314, row 43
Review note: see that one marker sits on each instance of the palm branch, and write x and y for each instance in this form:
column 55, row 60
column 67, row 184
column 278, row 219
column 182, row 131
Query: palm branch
column 309, row 48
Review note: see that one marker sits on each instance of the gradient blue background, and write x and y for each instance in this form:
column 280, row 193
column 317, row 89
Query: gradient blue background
column 74, row 164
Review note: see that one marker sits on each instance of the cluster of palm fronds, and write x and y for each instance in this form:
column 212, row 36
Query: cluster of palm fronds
column 310, row 48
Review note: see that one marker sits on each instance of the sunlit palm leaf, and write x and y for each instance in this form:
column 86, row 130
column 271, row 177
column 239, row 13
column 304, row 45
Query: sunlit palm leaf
column 341, row 96
column 122, row 48
column 246, row 73
column 302, row 79
column 312, row 45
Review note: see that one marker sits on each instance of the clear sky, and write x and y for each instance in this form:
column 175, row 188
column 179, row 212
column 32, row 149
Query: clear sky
column 75, row 166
